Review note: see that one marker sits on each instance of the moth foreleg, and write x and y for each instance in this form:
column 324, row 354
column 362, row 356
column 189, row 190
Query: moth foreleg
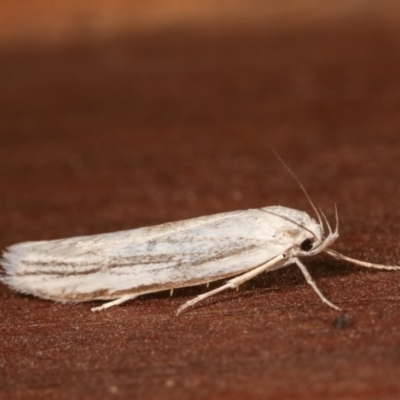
column 311, row 282
column 235, row 282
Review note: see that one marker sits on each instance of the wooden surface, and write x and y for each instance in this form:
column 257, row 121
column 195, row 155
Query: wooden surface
column 100, row 135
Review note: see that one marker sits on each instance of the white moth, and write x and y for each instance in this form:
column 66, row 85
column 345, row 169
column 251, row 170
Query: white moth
column 123, row 265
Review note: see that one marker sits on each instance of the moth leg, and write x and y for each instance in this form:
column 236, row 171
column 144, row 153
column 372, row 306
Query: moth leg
column 339, row 256
column 311, row 282
column 115, row 302
column 235, row 282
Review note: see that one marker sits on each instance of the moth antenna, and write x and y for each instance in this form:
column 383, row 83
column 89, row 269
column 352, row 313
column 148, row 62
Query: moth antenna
column 337, row 219
column 299, row 183
column 290, row 220
column 326, row 221
column 339, row 256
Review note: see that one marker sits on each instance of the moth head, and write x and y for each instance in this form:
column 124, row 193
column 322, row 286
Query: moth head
column 311, row 237
column 305, row 233
column 306, row 244
column 314, row 239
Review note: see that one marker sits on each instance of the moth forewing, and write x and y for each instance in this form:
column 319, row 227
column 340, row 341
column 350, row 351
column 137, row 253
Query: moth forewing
column 146, row 260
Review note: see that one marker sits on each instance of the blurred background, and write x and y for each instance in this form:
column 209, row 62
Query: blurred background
column 119, row 114
column 48, row 21
column 161, row 104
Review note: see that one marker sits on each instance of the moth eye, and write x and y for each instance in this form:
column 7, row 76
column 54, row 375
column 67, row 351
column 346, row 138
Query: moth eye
column 306, row 245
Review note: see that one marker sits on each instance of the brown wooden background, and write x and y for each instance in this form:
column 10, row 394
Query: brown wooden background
column 120, row 117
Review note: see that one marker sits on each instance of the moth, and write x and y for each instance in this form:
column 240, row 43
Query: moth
column 120, row 266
